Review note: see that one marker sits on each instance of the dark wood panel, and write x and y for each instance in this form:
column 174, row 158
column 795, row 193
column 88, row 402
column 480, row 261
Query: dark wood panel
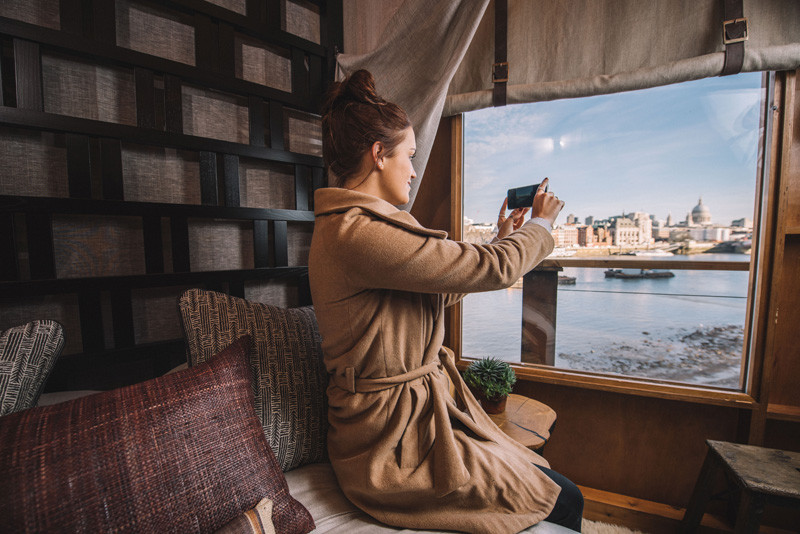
column 173, row 104
column 261, row 243
column 40, row 205
column 91, row 315
column 280, row 243
column 28, row 72
column 230, row 176
column 111, row 158
column 256, row 111
column 122, row 317
column 302, row 183
column 71, row 15
column 145, row 98
column 59, row 123
column 40, row 245
column 104, row 23
column 153, row 244
column 79, row 166
column 208, row 178
column 203, row 76
column 73, row 285
column 276, row 125
column 9, row 269
column 179, row 232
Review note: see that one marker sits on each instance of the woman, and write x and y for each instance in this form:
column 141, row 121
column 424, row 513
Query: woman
column 404, row 450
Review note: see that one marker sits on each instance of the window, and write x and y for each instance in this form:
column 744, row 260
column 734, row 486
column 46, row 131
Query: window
column 655, row 237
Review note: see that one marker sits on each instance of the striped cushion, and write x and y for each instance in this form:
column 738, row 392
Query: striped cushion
column 290, row 378
column 27, row 354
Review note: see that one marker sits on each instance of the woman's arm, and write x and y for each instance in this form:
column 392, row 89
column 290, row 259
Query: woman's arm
column 378, row 254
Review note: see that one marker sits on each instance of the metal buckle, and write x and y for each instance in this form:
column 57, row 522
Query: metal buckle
column 727, row 23
column 500, row 72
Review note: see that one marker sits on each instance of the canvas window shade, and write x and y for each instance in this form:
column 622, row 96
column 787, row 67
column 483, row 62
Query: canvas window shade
column 564, row 49
column 588, row 47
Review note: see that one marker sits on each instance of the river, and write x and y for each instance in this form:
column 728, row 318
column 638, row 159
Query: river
column 689, row 328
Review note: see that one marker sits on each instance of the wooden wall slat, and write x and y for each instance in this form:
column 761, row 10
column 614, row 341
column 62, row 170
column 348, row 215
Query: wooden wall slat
column 111, row 159
column 230, row 176
column 256, row 111
column 122, row 317
column 173, row 104
column 208, row 178
column 276, row 125
column 91, row 315
column 9, row 269
column 39, row 227
column 71, row 16
column 261, row 243
column 79, row 166
column 153, row 244
column 299, row 73
column 145, row 98
column 280, row 243
column 104, row 23
column 302, row 182
column 28, row 72
column 179, row 231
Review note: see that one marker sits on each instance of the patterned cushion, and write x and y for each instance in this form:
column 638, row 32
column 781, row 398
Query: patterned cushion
column 181, row 453
column 27, row 354
column 290, row 377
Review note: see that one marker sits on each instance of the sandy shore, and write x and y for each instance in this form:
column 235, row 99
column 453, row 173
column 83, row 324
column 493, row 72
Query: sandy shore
column 706, row 355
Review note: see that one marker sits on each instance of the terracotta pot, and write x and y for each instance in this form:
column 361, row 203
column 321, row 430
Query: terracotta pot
column 492, row 406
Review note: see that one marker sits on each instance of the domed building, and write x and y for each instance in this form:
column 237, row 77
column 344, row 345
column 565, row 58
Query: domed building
column 701, row 214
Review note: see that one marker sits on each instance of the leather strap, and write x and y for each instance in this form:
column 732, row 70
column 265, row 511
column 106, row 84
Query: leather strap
column 734, row 34
column 500, row 67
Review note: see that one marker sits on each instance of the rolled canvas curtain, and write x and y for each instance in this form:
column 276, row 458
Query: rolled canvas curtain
column 416, row 60
column 577, row 48
column 436, row 57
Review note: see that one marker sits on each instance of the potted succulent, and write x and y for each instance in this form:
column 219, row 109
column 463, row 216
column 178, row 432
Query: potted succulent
column 490, row 380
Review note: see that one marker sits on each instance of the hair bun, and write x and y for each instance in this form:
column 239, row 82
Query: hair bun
column 358, row 87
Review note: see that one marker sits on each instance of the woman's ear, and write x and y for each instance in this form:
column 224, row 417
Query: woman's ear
column 377, row 154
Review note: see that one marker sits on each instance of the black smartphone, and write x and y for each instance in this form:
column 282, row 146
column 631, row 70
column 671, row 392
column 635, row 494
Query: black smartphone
column 522, row 197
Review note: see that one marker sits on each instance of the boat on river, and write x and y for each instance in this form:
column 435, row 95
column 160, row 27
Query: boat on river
column 643, row 273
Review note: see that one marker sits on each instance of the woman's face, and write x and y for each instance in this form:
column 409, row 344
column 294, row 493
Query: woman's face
column 396, row 172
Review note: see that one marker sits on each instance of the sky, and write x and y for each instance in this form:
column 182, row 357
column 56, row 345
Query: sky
column 656, row 150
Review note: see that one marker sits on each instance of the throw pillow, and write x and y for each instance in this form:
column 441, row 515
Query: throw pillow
column 180, row 453
column 290, row 377
column 27, row 355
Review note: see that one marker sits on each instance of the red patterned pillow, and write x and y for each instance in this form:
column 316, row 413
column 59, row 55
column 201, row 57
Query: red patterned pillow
column 181, row 453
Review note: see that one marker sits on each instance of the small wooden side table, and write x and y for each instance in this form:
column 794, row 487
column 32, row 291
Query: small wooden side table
column 764, row 476
column 527, row 421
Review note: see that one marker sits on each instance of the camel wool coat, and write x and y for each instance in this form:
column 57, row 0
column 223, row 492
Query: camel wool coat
column 404, row 449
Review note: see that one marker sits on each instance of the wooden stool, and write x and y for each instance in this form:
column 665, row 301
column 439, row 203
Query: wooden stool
column 764, row 476
column 527, row 421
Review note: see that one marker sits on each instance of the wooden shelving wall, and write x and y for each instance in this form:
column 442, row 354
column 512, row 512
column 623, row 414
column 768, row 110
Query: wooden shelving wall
column 151, row 147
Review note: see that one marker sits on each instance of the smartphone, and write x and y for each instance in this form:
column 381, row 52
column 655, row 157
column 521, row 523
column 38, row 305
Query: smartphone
column 522, row 197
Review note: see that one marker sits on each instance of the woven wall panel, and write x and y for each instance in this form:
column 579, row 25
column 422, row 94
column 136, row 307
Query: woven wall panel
column 87, row 245
column 156, row 174
column 39, row 12
column 61, row 308
column 263, row 64
column 155, row 32
column 277, row 293
column 155, row 314
column 89, row 91
column 266, row 185
column 237, row 6
column 215, row 115
column 302, row 132
column 299, row 242
column 34, row 163
column 301, row 18
column 218, row 245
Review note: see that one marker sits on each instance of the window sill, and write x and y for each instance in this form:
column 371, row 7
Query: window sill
column 629, row 386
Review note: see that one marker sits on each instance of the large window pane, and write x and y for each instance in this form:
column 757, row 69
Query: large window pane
column 661, row 174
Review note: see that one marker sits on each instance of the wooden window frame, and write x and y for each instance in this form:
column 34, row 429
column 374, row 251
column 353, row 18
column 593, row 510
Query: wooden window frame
column 758, row 304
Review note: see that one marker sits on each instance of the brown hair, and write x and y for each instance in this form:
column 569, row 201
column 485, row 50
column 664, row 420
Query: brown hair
column 354, row 117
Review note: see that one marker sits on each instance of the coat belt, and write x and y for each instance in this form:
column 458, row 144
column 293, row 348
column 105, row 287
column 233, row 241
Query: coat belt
column 349, row 381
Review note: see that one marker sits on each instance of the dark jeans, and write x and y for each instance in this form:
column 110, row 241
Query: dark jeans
column 568, row 510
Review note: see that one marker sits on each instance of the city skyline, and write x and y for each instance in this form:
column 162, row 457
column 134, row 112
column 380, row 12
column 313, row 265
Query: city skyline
column 659, row 150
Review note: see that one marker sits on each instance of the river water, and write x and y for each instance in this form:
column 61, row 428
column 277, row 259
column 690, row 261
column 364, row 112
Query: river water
column 689, row 328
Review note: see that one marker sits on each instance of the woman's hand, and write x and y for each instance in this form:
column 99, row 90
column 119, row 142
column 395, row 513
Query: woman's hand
column 546, row 205
column 506, row 225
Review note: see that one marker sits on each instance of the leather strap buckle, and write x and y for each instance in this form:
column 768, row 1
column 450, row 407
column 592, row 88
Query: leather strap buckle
column 500, row 72
column 736, row 28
